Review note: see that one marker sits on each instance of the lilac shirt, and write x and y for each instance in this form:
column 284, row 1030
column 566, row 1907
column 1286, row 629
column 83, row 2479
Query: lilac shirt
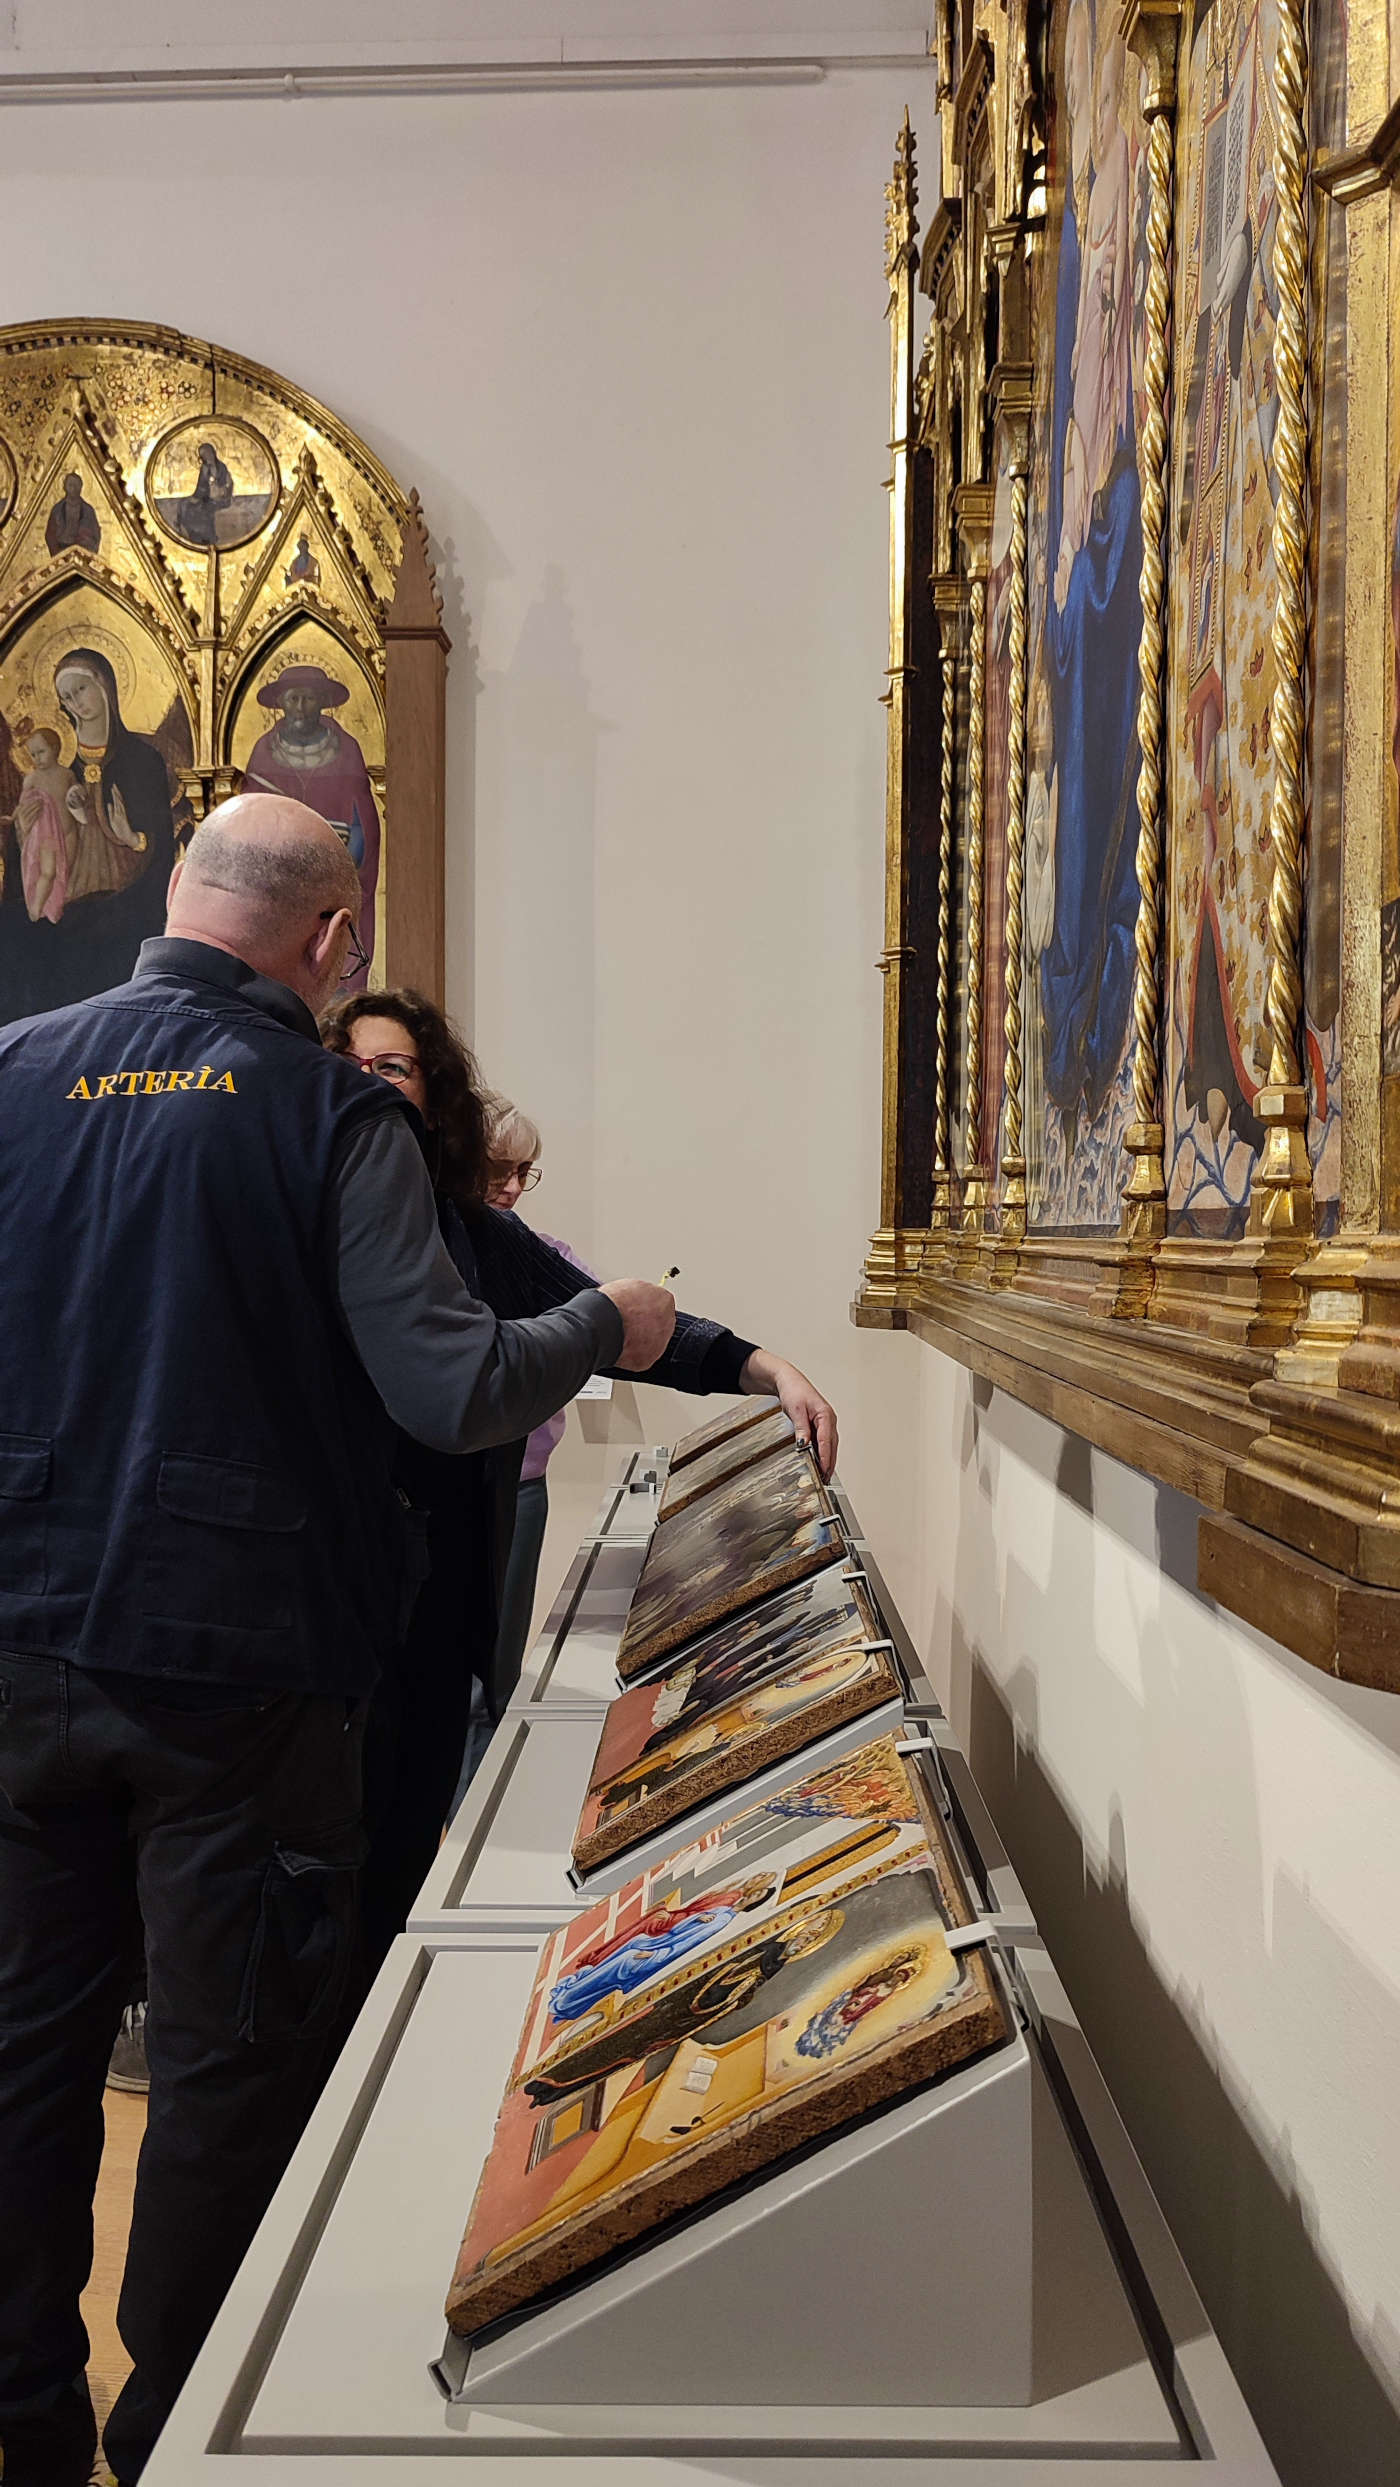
column 547, row 1437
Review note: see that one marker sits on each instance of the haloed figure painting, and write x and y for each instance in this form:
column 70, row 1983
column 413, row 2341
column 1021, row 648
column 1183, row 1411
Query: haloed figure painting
column 197, row 563
column 93, row 735
column 783, row 1975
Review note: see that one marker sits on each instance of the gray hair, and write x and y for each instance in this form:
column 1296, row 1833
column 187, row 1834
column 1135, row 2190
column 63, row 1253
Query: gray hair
column 513, row 1135
column 282, row 879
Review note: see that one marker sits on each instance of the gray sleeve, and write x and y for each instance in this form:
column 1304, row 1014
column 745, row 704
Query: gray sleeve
column 447, row 1370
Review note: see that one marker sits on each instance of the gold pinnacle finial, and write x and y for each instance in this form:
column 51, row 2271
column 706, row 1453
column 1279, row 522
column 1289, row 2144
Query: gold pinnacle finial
column 901, row 198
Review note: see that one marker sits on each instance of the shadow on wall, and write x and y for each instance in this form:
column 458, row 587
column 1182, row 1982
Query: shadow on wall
column 464, row 688
column 469, row 563
column 1316, row 2394
column 537, row 955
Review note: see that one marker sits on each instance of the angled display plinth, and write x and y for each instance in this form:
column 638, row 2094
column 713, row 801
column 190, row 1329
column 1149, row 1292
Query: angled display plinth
column 754, row 2302
column 792, row 1973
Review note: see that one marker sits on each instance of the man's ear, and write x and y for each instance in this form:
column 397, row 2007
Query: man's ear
column 323, row 940
column 173, row 884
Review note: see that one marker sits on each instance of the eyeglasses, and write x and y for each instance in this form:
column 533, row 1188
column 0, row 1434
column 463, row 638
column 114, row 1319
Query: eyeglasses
column 400, row 1067
column 527, row 1174
column 356, row 955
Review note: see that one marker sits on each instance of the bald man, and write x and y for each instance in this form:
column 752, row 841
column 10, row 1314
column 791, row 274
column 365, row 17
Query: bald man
column 223, row 1284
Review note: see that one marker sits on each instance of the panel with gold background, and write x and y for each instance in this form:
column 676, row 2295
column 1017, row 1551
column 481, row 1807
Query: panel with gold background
column 196, row 566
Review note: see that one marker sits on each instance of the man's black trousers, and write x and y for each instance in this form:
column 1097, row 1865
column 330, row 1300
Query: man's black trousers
column 228, row 1837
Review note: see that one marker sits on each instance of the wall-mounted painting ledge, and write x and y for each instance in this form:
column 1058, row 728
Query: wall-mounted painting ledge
column 1298, row 1529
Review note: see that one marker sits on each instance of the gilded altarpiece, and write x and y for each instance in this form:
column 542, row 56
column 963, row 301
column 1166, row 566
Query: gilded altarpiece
column 1144, row 900
column 206, row 582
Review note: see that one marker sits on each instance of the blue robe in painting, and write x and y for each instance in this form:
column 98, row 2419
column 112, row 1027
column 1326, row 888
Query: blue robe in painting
column 1091, row 652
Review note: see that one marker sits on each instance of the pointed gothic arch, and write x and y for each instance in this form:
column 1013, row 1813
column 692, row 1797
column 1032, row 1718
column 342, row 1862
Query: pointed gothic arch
column 123, row 452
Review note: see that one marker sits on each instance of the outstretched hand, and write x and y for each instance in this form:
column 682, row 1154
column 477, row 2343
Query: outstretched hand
column 812, row 1417
column 648, row 1321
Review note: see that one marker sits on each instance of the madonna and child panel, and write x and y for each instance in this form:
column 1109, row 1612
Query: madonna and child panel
column 94, row 735
column 771, row 1982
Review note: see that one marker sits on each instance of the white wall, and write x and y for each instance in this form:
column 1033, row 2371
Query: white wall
column 630, row 348
column 89, row 37
column 1207, row 1828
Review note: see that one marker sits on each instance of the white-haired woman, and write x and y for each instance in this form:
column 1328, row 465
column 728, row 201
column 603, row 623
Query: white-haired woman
column 512, row 1169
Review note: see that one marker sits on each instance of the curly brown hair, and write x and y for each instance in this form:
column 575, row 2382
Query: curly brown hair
column 461, row 1107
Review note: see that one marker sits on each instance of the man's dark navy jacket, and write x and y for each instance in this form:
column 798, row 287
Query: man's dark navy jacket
column 194, row 1477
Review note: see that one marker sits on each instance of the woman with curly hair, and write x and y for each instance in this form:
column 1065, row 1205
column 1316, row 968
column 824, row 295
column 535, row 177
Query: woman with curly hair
column 418, row 1726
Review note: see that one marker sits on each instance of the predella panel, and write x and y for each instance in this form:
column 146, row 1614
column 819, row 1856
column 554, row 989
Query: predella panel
column 781, row 1976
column 742, row 1698
column 720, row 1428
column 758, row 1531
column 739, row 1450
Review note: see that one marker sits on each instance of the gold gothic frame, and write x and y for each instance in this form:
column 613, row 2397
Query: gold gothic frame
column 1141, row 1118
column 189, row 531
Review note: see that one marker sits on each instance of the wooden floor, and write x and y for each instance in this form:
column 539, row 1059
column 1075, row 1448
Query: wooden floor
column 108, row 2363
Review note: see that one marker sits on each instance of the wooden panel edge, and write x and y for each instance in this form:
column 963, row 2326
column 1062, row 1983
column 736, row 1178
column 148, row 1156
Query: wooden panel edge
column 1343, row 1627
column 1172, row 1458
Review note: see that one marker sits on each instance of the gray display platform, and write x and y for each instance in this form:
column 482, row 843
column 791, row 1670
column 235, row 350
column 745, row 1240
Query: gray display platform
column 922, row 1695
column 994, row 2235
column 505, row 1860
column 317, row 2369
column 571, row 1663
column 577, row 1667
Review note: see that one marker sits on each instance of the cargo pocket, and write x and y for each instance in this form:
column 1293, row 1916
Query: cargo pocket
column 223, row 1549
column 302, row 1942
column 26, row 1468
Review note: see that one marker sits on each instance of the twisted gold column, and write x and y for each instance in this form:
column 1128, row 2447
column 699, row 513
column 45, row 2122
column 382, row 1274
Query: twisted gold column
column 974, row 1173
column 1144, row 1216
column 947, row 596
column 896, row 1249
column 1282, row 1204
column 945, row 897
column 1013, row 1163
